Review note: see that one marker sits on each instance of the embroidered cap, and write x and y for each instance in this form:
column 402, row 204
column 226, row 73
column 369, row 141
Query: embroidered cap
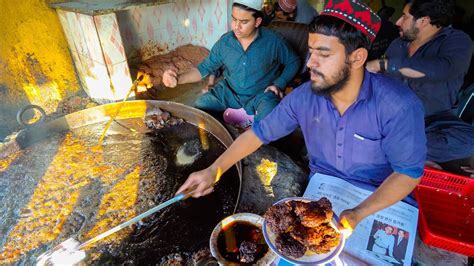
column 287, row 5
column 355, row 13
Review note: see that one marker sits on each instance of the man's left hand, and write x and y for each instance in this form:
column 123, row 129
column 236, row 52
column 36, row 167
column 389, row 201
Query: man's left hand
column 275, row 90
column 373, row 66
column 348, row 220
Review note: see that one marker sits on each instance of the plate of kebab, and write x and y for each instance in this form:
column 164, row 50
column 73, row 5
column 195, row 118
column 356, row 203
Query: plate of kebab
column 303, row 231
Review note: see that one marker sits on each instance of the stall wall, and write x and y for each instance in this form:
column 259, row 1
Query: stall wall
column 158, row 29
column 35, row 64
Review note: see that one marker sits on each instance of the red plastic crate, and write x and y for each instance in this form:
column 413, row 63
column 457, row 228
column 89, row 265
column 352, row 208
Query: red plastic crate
column 446, row 211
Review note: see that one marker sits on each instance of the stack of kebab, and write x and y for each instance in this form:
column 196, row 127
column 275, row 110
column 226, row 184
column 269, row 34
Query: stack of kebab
column 302, row 226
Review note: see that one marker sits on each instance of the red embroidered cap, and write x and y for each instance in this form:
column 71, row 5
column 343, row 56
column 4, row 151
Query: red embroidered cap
column 356, row 13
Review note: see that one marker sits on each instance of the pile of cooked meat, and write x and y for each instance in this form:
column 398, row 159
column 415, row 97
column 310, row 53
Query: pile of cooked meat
column 161, row 119
column 302, row 226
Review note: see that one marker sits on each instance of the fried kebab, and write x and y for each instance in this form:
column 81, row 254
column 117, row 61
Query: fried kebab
column 302, row 226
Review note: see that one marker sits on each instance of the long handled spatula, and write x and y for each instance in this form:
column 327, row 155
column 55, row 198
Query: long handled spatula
column 70, row 251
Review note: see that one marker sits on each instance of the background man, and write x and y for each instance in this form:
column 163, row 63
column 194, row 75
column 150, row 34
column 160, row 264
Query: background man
column 432, row 58
column 400, row 247
column 251, row 58
column 364, row 128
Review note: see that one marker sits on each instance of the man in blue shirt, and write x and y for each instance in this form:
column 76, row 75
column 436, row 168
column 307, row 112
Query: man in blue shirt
column 252, row 58
column 433, row 58
column 361, row 127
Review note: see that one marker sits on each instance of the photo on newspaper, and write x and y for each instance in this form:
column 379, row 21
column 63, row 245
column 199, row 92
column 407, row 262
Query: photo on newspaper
column 388, row 242
column 383, row 238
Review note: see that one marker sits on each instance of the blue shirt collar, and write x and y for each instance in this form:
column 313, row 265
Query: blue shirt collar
column 365, row 89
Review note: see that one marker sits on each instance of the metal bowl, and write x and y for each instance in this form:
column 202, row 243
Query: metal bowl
column 254, row 219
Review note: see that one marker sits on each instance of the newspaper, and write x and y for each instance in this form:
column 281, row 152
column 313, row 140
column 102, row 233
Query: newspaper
column 384, row 238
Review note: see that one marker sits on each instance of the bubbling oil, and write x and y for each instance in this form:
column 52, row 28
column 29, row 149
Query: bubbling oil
column 62, row 187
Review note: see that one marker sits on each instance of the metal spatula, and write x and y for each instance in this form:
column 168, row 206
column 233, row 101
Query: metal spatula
column 70, row 251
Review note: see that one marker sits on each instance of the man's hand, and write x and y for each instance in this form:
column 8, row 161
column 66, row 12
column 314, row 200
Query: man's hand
column 146, row 83
column 207, row 88
column 348, row 220
column 373, row 66
column 203, row 181
column 210, row 83
column 275, row 90
column 170, row 78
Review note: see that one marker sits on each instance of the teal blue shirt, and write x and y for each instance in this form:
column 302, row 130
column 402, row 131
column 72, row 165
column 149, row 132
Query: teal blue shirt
column 250, row 72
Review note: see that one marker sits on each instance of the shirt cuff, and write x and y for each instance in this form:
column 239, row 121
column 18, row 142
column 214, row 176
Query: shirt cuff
column 258, row 131
column 280, row 83
column 411, row 172
column 393, row 65
column 204, row 72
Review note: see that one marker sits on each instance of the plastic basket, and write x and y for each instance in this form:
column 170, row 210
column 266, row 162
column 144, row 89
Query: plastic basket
column 446, row 211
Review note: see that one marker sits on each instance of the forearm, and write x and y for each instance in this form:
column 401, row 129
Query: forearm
column 411, row 73
column 244, row 145
column 433, row 69
column 190, row 76
column 395, row 188
column 381, row 66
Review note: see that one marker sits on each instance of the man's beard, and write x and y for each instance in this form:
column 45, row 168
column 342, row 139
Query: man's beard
column 410, row 34
column 329, row 89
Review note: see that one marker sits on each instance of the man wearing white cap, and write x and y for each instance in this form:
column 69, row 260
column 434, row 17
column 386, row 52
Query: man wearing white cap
column 254, row 4
column 257, row 65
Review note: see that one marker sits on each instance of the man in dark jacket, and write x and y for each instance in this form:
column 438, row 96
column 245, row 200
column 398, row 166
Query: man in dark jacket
column 433, row 58
column 400, row 247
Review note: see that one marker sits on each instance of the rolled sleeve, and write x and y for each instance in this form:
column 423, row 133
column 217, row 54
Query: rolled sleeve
column 405, row 140
column 256, row 128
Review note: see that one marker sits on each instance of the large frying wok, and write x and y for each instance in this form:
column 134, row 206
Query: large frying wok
column 181, row 229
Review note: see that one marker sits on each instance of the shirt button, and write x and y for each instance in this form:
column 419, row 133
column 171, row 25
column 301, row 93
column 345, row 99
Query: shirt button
column 341, row 128
column 339, row 144
column 339, row 156
column 244, row 63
